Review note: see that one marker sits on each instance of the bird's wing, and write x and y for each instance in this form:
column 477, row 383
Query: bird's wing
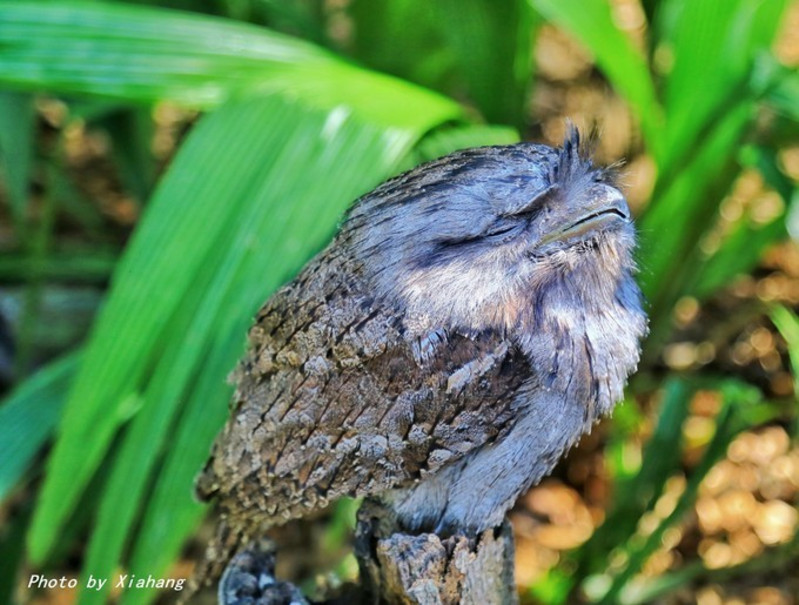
column 332, row 400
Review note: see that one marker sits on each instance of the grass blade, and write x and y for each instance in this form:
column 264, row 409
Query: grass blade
column 12, row 545
column 783, row 94
column 131, row 130
column 776, row 561
column 787, row 323
column 17, row 121
column 171, row 514
column 69, row 266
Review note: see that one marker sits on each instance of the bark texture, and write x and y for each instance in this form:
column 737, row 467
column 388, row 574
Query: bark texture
column 396, row 569
column 424, row 569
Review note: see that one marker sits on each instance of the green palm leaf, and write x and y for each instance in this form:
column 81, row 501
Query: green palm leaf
column 139, row 53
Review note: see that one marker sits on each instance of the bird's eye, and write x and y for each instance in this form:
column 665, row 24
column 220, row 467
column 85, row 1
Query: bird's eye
column 504, row 226
column 534, row 204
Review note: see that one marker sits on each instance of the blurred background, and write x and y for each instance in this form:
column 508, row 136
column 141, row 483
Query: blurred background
column 164, row 166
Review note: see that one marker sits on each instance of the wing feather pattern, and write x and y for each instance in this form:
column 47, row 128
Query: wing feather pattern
column 332, row 399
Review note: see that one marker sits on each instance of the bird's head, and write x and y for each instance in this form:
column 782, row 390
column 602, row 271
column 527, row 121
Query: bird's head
column 468, row 240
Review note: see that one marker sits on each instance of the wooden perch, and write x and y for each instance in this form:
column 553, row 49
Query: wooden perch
column 396, row 568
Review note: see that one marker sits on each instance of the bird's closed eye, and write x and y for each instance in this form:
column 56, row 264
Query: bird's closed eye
column 506, row 226
column 530, row 208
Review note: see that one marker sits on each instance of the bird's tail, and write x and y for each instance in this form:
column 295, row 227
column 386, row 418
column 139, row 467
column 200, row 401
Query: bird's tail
column 226, row 541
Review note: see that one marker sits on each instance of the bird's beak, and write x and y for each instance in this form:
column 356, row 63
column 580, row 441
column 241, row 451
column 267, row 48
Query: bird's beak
column 606, row 207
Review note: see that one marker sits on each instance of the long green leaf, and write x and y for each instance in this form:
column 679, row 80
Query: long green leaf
column 783, row 94
column 479, row 49
column 125, row 339
column 591, row 22
column 171, row 513
column 140, row 53
column 28, row 417
column 714, row 45
column 12, row 547
column 672, row 227
column 778, row 561
column 787, row 323
column 493, row 42
column 403, row 38
column 131, row 130
column 69, row 266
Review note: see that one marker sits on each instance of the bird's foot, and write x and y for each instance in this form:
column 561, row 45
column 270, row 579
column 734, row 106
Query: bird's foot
column 249, row 580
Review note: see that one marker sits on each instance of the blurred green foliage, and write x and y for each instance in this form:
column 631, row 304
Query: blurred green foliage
column 296, row 120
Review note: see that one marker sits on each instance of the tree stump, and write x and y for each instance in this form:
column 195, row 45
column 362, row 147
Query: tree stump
column 396, row 568
column 425, row 569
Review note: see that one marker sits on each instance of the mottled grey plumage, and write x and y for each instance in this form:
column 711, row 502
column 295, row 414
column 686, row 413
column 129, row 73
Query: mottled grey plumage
column 471, row 319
